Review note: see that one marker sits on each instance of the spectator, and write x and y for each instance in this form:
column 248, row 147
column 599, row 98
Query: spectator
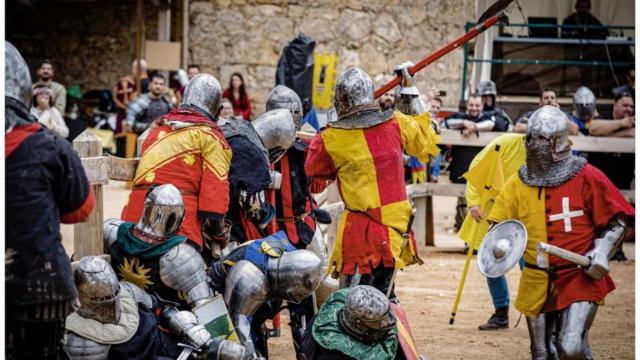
column 123, row 94
column 583, row 17
column 547, row 97
column 584, row 109
column 436, row 105
column 469, row 123
column 629, row 87
column 193, row 70
column 227, row 110
column 387, row 101
column 144, row 76
column 45, row 75
column 487, row 90
column 620, row 123
column 237, row 93
column 47, row 115
column 147, row 107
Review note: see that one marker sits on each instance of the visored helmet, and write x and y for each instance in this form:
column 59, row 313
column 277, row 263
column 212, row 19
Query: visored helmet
column 585, row 103
column 277, row 130
column 281, row 97
column 163, row 214
column 294, row 275
column 98, row 290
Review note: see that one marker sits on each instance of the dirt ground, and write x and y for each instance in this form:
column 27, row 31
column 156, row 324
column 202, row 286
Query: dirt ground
column 427, row 292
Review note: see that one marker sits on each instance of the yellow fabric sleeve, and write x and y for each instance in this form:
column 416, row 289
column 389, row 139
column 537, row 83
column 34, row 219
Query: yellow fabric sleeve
column 418, row 137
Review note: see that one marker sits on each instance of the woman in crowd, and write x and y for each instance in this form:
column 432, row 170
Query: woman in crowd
column 42, row 108
column 239, row 99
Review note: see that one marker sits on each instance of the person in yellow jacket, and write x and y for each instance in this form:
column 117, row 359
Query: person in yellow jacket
column 488, row 172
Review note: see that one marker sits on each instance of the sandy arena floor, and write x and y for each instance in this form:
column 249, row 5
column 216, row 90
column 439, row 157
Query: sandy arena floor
column 427, row 292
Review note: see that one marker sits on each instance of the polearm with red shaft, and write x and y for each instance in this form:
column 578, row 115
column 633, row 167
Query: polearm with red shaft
column 500, row 15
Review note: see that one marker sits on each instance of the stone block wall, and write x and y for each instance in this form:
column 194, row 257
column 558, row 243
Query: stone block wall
column 248, row 35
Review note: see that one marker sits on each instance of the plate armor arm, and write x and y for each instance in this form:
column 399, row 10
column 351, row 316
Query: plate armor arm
column 182, row 268
column 245, row 291
column 605, row 246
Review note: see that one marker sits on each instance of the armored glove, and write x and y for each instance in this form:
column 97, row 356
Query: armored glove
column 410, row 102
column 185, row 324
column 216, row 235
column 605, row 247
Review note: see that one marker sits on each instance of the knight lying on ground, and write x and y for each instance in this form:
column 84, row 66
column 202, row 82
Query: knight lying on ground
column 118, row 321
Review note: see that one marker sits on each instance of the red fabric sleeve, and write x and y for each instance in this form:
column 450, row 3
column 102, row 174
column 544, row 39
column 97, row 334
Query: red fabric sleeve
column 604, row 199
column 83, row 212
column 319, row 166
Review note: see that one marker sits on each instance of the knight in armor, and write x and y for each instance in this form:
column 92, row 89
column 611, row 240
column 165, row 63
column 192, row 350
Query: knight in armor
column 363, row 151
column 489, row 93
column 296, row 210
column 257, row 277
column 250, row 176
column 568, row 203
column 187, row 149
column 355, row 323
column 150, row 254
column 584, row 109
column 117, row 321
column 45, row 185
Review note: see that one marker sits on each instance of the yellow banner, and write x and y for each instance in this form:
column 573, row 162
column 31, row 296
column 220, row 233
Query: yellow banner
column 324, row 78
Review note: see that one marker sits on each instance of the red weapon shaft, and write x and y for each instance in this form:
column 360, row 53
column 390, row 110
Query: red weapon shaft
column 477, row 30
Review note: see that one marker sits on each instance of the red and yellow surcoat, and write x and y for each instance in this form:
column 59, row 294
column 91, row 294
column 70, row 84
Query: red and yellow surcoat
column 195, row 157
column 367, row 165
column 568, row 216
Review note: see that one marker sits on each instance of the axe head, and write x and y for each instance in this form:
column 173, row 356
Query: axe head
column 494, row 9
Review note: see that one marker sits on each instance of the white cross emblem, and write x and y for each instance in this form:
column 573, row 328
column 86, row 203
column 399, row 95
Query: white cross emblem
column 566, row 215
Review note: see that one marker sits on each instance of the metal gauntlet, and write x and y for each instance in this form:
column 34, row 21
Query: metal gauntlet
column 185, row 324
column 604, row 248
column 410, row 102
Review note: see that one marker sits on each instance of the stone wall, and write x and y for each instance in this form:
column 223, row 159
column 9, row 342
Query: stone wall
column 248, row 35
column 91, row 44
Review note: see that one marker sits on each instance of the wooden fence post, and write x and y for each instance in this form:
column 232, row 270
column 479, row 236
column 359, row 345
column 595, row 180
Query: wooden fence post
column 87, row 236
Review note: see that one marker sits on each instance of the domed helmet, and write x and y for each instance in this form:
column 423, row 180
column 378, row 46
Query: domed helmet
column 277, row 130
column 354, row 93
column 294, row 275
column 162, row 215
column 367, row 314
column 487, row 87
column 281, row 97
column 17, row 79
column 585, row 103
column 98, row 290
column 204, row 92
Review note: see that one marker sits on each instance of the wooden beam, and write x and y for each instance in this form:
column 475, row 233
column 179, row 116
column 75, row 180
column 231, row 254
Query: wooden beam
column 122, row 169
column 580, row 143
column 97, row 169
column 87, row 236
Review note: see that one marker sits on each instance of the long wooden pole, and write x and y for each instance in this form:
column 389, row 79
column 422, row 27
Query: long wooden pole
column 474, row 32
column 139, row 32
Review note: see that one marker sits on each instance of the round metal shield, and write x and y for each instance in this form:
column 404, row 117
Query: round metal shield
column 502, row 248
